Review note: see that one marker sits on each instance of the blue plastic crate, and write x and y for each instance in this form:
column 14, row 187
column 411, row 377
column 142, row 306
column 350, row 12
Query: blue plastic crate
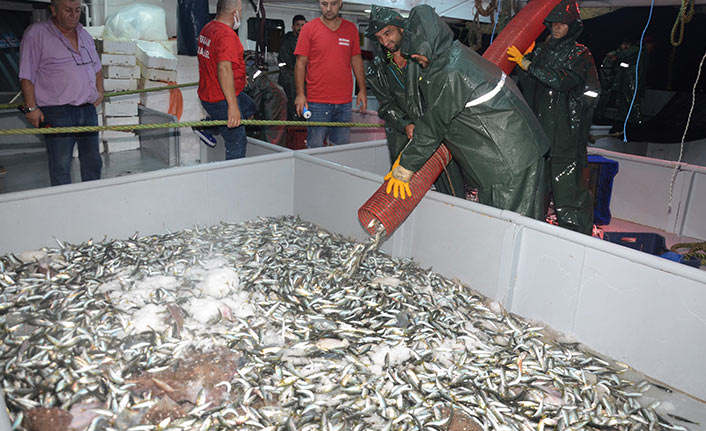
column 601, row 174
column 676, row 257
column 648, row 242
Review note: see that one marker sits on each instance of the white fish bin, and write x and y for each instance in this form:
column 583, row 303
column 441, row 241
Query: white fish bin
column 225, row 296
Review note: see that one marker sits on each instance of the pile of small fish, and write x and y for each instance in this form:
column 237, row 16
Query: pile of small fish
column 324, row 341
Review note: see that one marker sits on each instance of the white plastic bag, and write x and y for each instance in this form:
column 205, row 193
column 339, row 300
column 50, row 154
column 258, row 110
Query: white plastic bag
column 137, row 21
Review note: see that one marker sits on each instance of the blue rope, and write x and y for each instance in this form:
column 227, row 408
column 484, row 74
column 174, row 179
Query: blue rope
column 637, row 69
column 497, row 14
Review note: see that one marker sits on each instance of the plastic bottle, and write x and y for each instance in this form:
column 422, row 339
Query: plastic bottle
column 306, row 113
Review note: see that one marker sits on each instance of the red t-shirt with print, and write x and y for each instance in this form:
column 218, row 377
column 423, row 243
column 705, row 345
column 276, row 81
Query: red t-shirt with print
column 218, row 42
column 329, row 76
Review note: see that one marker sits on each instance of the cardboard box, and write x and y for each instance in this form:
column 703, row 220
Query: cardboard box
column 125, row 143
column 160, row 75
column 118, row 60
column 154, row 55
column 116, row 46
column 121, row 72
column 114, row 84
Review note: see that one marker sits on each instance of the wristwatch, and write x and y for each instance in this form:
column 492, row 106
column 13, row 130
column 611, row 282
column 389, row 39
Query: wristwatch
column 26, row 110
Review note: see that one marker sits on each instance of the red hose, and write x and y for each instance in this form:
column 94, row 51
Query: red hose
column 391, row 211
column 521, row 31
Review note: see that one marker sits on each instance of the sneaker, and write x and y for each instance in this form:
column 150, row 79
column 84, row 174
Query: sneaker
column 205, row 137
column 3, row 171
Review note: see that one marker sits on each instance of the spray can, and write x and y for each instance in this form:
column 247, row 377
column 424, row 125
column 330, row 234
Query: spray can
column 306, row 113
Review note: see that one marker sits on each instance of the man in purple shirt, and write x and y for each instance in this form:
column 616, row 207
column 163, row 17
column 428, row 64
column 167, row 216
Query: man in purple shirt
column 62, row 83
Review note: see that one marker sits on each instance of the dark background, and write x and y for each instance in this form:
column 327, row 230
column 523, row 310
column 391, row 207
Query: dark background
column 604, row 33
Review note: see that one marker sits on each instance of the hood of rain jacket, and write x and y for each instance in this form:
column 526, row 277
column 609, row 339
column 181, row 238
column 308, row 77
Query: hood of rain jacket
column 491, row 140
column 381, row 17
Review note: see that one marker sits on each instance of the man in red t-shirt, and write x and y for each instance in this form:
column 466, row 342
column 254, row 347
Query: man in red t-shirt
column 327, row 49
column 222, row 78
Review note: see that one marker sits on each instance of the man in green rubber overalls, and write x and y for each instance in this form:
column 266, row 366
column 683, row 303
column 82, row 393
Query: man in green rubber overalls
column 386, row 77
column 469, row 103
column 560, row 83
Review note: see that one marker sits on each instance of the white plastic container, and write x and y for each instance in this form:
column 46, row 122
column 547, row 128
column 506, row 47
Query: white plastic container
column 121, row 72
column 118, row 60
column 640, row 309
column 112, row 84
column 155, row 55
column 128, row 47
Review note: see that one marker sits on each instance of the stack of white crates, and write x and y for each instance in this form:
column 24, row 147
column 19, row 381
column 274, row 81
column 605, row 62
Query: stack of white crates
column 120, row 72
column 158, row 67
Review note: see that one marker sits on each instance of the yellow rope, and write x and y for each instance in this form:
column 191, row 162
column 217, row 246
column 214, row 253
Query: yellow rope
column 695, row 250
column 119, row 93
column 683, row 17
column 211, row 123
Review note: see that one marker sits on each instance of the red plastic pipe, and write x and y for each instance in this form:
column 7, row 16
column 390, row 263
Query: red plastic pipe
column 391, row 211
column 521, row 31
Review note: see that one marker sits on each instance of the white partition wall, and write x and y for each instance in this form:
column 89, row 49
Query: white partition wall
column 149, row 203
column 641, row 193
column 629, row 305
column 329, row 195
column 464, row 240
column 694, row 215
column 368, row 156
column 641, row 188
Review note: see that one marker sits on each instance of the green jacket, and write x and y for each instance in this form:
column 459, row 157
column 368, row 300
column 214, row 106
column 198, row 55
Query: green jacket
column 386, row 80
column 286, row 55
column 562, row 87
column 626, row 81
column 491, row 141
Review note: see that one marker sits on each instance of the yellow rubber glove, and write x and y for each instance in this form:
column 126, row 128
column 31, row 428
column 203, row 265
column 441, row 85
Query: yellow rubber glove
column 398, row 183
column 516, row 56
column 394, row 166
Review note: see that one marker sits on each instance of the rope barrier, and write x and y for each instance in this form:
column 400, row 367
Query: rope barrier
column 210, row 123
column 119, row 93
column 147, row 90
